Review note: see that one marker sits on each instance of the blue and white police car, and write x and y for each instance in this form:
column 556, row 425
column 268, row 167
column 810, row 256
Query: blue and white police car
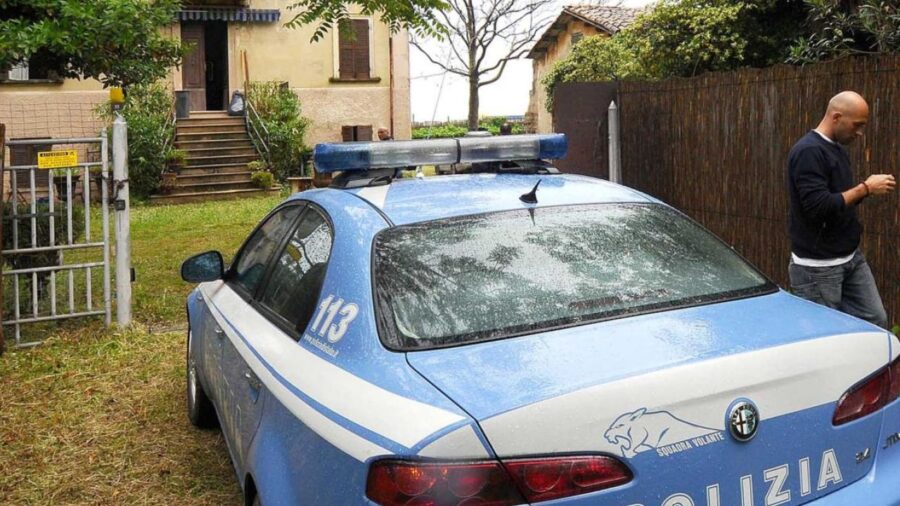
column 513, row 335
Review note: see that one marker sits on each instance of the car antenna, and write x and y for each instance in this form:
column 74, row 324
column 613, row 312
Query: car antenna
column 530, row 197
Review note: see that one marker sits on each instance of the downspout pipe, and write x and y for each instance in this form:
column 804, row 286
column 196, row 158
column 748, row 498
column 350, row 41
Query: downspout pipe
column 391, row 91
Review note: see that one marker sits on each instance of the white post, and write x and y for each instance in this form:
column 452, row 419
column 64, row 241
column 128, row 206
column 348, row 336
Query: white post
column 615, row 151
column 123, row 227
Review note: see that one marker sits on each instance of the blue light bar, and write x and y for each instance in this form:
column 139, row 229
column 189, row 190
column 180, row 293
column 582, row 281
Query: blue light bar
column 360, row 156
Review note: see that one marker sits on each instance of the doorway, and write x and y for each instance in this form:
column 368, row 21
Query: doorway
column 205, row 66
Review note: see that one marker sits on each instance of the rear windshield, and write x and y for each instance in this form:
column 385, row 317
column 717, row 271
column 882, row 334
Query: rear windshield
column 462, row 280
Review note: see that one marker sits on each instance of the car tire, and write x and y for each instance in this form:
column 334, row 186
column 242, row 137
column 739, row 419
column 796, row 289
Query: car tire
column 200, row 409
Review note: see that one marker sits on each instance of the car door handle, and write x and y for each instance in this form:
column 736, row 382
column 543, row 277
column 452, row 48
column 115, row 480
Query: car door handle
column 252, row 380
column 219, row 332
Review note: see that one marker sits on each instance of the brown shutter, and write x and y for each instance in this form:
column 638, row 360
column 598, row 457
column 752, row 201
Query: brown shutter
column 345, row 53
column 361, row 48
column 347, row 133
column 353, row 50
column 364, row 133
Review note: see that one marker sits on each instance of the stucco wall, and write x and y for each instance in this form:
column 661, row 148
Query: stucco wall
column 542, row 66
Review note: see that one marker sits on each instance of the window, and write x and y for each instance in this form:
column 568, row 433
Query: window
column 42, row 66
column 351, row 133
column 475, row 278
column 576, row 37
column 292, row 290
column 353, row 50
column 250, row 266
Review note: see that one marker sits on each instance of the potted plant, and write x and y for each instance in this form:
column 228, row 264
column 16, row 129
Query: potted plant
column 175, row 160
column 261, row 176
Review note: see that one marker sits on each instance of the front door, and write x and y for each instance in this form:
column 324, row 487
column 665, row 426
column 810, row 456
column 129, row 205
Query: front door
column 193, row 72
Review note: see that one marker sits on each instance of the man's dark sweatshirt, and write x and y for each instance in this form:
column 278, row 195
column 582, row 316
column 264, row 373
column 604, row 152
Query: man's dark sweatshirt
column 821, row 225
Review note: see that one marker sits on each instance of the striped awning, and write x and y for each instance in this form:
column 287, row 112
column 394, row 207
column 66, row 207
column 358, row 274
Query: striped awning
column 237, row 15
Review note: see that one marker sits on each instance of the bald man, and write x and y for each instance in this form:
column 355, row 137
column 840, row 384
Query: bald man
column 826, row 264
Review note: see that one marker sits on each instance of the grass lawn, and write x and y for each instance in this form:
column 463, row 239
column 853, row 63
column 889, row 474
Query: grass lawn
column 97, row 416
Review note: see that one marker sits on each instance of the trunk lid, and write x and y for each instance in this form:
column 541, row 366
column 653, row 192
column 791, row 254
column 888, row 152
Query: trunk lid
column 658, row 390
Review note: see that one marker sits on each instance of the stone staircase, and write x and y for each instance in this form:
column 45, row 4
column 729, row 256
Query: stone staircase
column 218, row 150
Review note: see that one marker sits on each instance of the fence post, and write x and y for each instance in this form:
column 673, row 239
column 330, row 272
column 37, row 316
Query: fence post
column 615, row 150
column 123, row 227
column 2, row 195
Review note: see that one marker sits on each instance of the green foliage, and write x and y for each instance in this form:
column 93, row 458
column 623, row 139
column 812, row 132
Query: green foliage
column 176, row 157
column 148, row 111
column 417, row 16
column 841, row 28
column 256, row 165
column 597, row 58
column 117, row 42
column 896, row 330
column 263, row 179
column 685, row 38
column 279, row 110
column 460, row 128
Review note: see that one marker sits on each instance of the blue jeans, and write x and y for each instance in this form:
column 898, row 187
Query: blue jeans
column 849, row 287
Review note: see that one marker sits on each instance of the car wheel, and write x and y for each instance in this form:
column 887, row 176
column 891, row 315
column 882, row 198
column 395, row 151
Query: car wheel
column 200, row 409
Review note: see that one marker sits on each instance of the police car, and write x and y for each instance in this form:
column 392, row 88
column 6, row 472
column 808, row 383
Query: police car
column 513, row 335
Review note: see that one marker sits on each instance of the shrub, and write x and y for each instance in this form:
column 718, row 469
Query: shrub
column 263, row 179
column 148, row 111
column 279, row 111
column 176, row 158
column 459, row 128
column 256, row 165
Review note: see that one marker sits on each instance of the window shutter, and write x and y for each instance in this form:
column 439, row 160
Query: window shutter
column 345, row 52
column 364, row 133
column 347, row 133
column 361, row 48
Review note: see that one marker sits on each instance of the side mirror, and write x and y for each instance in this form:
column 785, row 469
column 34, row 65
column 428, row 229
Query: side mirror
column 202, row 267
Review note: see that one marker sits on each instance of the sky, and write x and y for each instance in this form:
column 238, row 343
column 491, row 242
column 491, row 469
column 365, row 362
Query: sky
column 443, row 97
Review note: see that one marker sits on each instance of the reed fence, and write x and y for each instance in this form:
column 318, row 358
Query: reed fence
column 715, row 147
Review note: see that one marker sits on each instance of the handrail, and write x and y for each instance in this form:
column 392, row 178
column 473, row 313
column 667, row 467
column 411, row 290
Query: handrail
column 251, row 118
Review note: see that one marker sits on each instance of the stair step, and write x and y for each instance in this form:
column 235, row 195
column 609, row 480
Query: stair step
column 211, row 136
column 210, row 124
column 211, row 119
column 203, row 143
column 194, row 152
column 214, row 169
column 214, row 186
column 200, row 161
column 185, row 198
column 212, row 177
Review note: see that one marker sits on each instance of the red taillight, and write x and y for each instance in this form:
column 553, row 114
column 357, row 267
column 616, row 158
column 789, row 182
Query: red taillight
column 394, row 482
column 870, row 396
column 554, row 478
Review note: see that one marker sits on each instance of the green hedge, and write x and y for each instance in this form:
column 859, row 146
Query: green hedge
column 459, row 128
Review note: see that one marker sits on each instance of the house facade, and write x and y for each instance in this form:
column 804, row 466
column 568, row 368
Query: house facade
column 348, row 86
column 574, row 23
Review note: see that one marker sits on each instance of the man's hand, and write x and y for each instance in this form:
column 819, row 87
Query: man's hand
column 879, row 184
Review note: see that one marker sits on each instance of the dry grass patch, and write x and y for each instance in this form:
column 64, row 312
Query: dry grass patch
column 98, row 417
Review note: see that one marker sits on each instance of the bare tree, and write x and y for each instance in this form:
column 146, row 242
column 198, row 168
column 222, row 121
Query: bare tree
column 482, row 37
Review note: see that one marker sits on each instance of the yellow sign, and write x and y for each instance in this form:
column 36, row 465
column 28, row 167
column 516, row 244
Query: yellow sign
column 57, row 159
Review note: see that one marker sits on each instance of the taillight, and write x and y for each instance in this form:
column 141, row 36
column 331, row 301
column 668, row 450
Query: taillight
column 553, row 478
column 395, row 482
column 870, row 396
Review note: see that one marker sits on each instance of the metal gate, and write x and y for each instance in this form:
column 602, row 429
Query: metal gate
column 48, row 245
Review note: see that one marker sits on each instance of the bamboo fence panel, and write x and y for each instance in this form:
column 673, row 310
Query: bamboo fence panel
column 716, row 146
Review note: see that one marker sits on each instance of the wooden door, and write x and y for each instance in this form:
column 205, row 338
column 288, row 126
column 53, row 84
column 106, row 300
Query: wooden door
column 193, row 70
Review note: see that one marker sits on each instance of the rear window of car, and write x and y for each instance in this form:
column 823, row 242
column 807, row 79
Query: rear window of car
column 475, row 278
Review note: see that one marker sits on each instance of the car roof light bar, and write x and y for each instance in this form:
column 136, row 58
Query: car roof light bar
column 362, row 156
